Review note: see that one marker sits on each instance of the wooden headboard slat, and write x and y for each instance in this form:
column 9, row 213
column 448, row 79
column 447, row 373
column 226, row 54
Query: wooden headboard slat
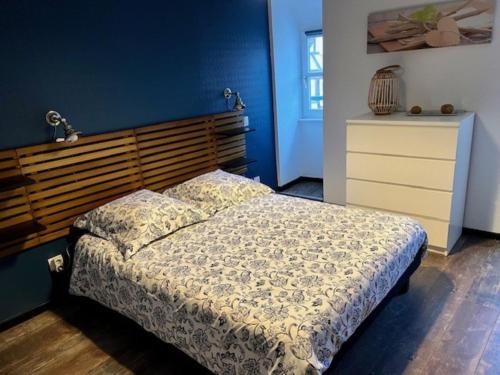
column 6, row 196
column 174, row 172
column 85, row 195
column 144, row 136
column 228, row 121
column 61, row 154
column 179, row 147
column 70, row 179
column 230, row 146
column 176, row 124
column 161, row 152
column 77, row 159
column 67, row 216
column 199, row 136
column 177, row 164
column 18, row 219
column 88, row 165
column 227, row 158
column 160, row 186
column 15, row 210
column 7, row 154
column 53, row 146
column 129, row 174
column 13, row 202
column 10, row 172
column 69, row 176
column 168, row 158
column 10, row 165
column 72, row 212
column 74, row 203
column 230, row 142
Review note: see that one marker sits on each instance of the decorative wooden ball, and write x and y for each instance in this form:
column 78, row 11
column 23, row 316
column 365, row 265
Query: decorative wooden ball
column 447, row 109
column 416, row 110
column 383, row 98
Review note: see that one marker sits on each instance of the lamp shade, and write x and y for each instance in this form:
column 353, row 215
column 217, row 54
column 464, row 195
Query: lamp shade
column 383, row 98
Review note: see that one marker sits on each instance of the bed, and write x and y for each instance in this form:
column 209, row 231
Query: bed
column 274, row 285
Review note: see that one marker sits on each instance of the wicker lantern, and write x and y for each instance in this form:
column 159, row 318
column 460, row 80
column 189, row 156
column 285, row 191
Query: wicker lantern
column 383, row 98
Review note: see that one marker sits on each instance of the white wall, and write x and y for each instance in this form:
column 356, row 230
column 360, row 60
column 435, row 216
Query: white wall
column 310, row 147
column 298, row 143
column 467, row 76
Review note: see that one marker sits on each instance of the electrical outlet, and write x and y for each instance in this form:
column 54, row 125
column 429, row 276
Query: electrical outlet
column 56, row 264
column 256, row 178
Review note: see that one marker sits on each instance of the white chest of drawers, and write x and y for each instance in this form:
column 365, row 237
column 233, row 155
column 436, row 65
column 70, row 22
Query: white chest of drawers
column 416, row 166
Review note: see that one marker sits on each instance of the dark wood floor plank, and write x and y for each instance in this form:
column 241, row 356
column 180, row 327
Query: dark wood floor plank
column 463, row 342
column 33, row 350
column 490, row 359
column 27, row 328
column 485, row 287
column 404, row 324
column 80, row 356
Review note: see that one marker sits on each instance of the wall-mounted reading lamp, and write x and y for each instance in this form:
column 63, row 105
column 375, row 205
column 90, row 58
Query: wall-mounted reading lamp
column 54, row 119
column 238, row 103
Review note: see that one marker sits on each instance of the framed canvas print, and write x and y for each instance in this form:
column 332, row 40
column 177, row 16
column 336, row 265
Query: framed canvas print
column 442, row 24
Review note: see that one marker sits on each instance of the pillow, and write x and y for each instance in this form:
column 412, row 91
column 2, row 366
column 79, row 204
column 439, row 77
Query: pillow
column 133, row 221
column 215, row 191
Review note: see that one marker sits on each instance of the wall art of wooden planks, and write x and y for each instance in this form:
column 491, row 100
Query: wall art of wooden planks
column 43, row 188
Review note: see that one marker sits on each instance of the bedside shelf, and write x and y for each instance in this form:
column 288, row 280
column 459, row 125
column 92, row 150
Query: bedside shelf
column 21, row 230
column 237, row 131
column 235, row 163
column 14, row 182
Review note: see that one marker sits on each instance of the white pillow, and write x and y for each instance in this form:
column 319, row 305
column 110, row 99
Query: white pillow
column 133, row 221
column 215, row 191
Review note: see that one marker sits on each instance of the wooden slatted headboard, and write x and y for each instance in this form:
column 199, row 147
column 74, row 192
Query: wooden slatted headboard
column 56, row 182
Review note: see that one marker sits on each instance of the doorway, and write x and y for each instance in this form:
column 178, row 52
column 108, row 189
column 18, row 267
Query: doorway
column 297, row 60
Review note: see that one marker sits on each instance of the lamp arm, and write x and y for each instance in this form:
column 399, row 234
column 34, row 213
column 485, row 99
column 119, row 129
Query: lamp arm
column 54, row 119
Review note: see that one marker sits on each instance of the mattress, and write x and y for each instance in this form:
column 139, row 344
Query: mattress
column 271, row 286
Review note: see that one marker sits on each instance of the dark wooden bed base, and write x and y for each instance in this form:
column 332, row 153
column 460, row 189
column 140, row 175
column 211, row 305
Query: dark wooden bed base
column 401, row 287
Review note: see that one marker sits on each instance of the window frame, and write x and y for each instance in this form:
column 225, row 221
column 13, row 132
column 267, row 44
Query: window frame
column 307, row 112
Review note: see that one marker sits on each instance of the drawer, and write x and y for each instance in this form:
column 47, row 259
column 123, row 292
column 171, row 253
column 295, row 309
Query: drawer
column 402, row 199
column 426, row 173
column 419, row 141
column 437, row 231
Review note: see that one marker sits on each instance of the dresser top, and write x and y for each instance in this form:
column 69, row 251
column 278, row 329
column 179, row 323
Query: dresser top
column 401, row 118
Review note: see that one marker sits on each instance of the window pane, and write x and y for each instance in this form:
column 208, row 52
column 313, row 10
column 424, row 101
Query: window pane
column 313, row 72
column 315, row 53
column 315, row 93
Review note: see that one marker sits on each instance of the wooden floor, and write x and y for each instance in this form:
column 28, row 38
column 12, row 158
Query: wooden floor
column 448, row 323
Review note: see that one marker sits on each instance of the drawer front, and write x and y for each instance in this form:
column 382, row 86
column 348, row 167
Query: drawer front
column 402, row 199
column 426, row 173
column 425, row 141
column 437, row 231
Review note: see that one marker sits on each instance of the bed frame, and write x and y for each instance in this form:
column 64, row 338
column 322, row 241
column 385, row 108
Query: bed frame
column 402, row 286
column 43, row 188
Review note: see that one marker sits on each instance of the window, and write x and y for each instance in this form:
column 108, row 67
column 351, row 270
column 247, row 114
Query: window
column 313, row 74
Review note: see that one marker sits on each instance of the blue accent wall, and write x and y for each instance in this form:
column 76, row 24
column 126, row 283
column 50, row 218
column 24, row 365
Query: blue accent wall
column 117, row 64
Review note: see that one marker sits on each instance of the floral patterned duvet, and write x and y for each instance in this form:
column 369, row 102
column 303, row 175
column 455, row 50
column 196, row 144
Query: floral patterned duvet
column 272, row 286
